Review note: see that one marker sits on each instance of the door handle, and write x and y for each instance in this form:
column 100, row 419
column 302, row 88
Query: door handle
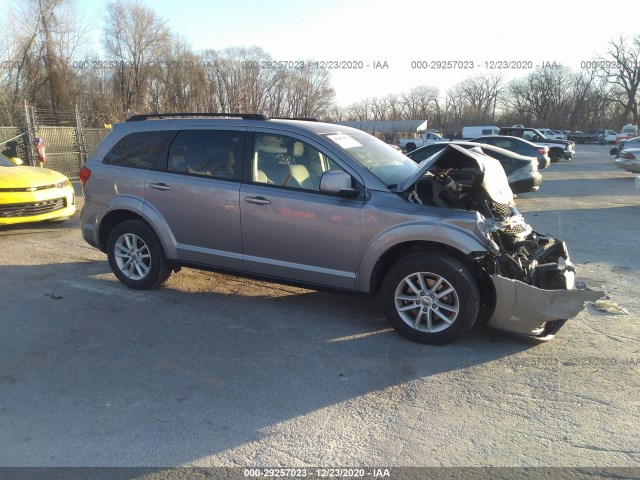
column 159, row 186
column 257, row 200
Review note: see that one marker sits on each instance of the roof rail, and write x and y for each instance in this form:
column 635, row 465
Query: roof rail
column 244, row 116
column 306, row 119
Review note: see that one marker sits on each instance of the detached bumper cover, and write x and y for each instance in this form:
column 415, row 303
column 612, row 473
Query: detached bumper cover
column 525, row 309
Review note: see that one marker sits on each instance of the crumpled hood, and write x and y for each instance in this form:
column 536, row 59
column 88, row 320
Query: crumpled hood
column 494, row 179
column 25, row 177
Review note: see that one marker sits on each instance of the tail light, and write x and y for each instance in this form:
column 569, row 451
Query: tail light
column 629, row 156
column 84, row 175
column 543, row 150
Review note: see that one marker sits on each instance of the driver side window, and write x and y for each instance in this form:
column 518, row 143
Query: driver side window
column 288, row 162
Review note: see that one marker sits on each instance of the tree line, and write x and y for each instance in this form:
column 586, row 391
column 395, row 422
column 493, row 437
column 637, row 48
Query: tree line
column 45, row 61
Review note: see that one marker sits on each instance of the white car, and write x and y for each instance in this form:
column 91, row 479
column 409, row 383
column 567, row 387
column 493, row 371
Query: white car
column 608, row 137
column 629, row 143
column 561, row 134
column 629, row 160
column 552, row 134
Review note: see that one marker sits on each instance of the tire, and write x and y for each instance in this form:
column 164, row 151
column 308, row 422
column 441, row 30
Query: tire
column 143, row 269
column 555, row 156
column 410, row 147
column 436, row 317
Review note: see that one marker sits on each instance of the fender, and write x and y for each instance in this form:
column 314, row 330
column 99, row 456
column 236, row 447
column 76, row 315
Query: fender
column 139, row 207
column 448, row 234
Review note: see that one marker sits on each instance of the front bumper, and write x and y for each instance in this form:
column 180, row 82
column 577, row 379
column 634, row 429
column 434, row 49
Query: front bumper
column 38, row 206
column 569, row 154
column 535, row 312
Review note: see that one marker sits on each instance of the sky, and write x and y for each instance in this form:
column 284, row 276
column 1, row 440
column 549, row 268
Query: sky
column 396, row 33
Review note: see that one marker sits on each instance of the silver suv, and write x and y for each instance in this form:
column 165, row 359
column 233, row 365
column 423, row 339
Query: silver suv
column 440, row 243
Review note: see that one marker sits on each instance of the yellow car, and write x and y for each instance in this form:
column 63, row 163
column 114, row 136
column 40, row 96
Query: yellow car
column 32, row 194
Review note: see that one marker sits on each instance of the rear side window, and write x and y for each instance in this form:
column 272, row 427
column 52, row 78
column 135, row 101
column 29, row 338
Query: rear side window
column 138, row 150
column 211, row 153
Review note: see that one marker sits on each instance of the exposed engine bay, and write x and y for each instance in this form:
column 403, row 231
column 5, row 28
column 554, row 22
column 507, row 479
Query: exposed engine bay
column 469, row 183
column 470, row 180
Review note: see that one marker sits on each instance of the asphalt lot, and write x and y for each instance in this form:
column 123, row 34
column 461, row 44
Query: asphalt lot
column 213, row 370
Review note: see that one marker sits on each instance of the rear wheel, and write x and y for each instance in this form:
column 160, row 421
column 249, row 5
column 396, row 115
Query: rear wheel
column 410, row 147
column 430, row 298
column 136, row 256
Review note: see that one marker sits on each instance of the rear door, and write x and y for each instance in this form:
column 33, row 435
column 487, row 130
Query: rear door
column 195, row 192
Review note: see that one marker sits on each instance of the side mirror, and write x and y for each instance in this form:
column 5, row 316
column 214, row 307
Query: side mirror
column 338, row 182
column 16, row 160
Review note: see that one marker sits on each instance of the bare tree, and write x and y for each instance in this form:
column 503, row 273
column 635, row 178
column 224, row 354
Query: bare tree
column 419, row 102
column 136, row 38
column 43, row 37
column 450, row 113
column 359, row 111
column 545, row 96
column 622, row 67
column 310, row 91
column 481, row 93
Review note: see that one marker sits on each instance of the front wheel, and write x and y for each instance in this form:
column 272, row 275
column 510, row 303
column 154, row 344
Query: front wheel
column 430, row 298
column 136, row 256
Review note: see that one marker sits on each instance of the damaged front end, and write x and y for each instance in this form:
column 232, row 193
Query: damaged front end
column 532, row 275
column 534, row 281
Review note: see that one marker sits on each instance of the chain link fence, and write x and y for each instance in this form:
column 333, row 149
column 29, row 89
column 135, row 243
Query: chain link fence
column 66, row 140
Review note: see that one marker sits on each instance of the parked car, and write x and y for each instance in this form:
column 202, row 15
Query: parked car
column 629, row 143
column 594, row 135
column 33, row 194
column 609, row 136
column 552, row 134
column 518, row 145
column 560, row 134
column 522, row 172
column 629, row 160
column 557, row 148
column 627, row 132
column 424, row 138
column 326, row 206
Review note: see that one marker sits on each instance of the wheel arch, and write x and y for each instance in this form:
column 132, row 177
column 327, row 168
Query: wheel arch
column 119, row 215
column 392, row 255
column 110, row 220
column 556, row 152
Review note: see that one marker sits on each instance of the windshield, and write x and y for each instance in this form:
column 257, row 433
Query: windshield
column 5, row 162
column 384, row 161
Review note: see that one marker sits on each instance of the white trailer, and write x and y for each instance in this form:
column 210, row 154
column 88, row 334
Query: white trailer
column 469, row 133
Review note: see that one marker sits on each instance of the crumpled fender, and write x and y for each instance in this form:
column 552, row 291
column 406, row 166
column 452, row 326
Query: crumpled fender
column 524, row 309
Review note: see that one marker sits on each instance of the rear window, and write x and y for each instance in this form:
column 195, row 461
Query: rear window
column 138, row 150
